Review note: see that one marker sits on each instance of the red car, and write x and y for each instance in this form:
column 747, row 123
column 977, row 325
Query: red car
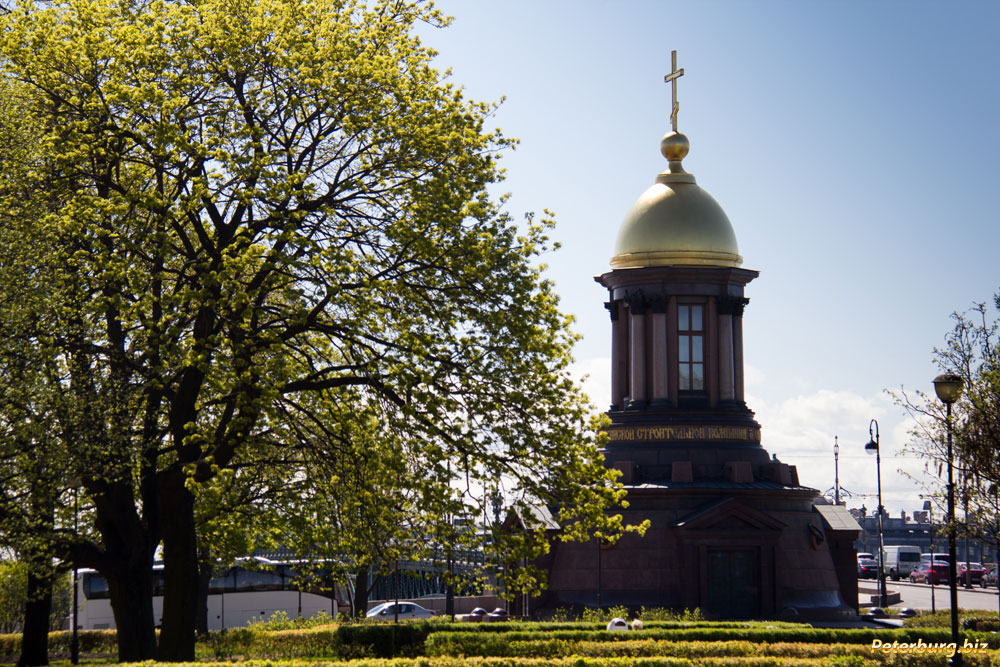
column 976, row 572
column 930, row 574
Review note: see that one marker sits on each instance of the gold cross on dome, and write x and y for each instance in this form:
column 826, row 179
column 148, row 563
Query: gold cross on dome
column 672, row 78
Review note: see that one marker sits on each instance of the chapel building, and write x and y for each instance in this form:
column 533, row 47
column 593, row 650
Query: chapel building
column 732, row 532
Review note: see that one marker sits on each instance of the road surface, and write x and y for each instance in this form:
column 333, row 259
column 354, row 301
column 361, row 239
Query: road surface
column 918, row 596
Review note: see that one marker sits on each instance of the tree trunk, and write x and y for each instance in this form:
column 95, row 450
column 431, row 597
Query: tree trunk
column 37, row 608
column 131, row 589
column 180, row 569
column 361, row 592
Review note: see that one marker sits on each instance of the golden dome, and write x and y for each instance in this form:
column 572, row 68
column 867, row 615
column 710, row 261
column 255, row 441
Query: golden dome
column 675, row 222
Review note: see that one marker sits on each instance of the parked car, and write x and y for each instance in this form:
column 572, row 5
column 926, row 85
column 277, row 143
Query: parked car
column 867, row 569
column 971, row 573
column 990, row 578
column 930, row 573
column 387, row 611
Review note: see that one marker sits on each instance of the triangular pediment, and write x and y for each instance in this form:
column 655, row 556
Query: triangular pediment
column 729, row 514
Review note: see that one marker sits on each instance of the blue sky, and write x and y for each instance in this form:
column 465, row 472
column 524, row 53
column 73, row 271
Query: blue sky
column 853, row 145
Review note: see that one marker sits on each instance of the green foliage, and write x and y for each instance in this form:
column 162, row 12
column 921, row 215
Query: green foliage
column 91, row 641
column 578, row 626
column 751, row 644
column 461, row 643
column 988, row 622
column 942, row 618
column 345, row 642
column 280, row 620
column 971, row 351
column 604, row 615
column 271, row 296
column 635, row 646
column 269, row 274
column 849, row 661
column 387, row 639
column 924, row 660
column 14, row 591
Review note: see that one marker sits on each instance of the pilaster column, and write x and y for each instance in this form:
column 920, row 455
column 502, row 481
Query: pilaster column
column 711, row 344
column 637, row 306
column 727, row 389
column 672, row 379
column 731, row 312
column 659, row 352
column 738, row 357
column 619, row 354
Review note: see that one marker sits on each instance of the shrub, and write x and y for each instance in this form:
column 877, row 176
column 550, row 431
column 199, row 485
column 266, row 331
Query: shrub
column 507, row 644
column 989, row 622
column 91, row 641
column 280, row 621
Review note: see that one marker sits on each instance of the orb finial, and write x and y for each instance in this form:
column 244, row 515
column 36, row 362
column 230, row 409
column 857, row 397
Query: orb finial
column 675, row 146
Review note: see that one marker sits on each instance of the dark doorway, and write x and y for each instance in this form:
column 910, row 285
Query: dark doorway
column 732, row 583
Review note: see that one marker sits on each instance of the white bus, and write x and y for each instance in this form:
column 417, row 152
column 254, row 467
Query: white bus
column 235, row 598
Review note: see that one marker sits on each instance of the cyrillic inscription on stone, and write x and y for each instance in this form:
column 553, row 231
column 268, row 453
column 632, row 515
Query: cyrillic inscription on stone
column 634, row 433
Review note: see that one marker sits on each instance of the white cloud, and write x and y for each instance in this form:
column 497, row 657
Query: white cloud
column 801, row 431
column 595, row 375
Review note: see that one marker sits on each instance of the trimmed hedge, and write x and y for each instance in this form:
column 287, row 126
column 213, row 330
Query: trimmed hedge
column 640, row 648
column 845, row 660
column 530, row 626
column 557, row 648
column 463, row 643
column 346, row 641
column 91, row 641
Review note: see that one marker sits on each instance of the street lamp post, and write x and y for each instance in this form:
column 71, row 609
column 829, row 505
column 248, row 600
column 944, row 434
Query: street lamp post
column 929, row 506
column 74, row 642
column 968, row 553
column 872, row 448
column 836, row 471
column 948, row 388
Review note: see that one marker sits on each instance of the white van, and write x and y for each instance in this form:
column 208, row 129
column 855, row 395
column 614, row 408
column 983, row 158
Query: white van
column 900, row 560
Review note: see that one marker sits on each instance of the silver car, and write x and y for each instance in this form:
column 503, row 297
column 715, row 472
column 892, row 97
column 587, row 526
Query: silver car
column 387, row 611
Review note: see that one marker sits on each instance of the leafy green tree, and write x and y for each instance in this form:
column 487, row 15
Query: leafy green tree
column 31, row 463
column 971, row 351
column 265, row 201
column 13, row 591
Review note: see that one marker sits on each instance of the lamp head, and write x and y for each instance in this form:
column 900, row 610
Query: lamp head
column 948, row 387
column 871, row 447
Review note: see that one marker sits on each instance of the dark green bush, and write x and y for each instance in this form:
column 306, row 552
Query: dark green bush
column 386, row 640
column 989, row 622
column 522, row 626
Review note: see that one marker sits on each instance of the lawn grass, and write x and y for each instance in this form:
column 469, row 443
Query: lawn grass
column 668, row 643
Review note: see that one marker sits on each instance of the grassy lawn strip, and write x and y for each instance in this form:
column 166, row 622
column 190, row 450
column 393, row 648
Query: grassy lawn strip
column 840, row 660
column 686, row 649
column 462, row 643
column 522, row 626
